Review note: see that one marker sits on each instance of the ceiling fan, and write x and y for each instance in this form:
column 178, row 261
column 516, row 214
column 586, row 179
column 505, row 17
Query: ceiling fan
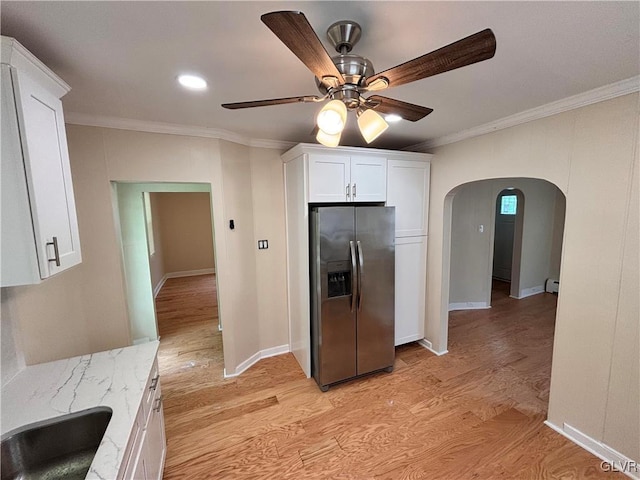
column 345, row 78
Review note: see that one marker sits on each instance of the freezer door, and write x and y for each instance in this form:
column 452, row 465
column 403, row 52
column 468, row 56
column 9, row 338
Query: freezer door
column 375, row 231
column 333, row 281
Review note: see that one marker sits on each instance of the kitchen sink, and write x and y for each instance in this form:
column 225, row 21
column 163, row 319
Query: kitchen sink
column 59, row 448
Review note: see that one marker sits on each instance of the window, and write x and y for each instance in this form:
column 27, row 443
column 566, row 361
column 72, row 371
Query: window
column 149, row 221
column 508, row 205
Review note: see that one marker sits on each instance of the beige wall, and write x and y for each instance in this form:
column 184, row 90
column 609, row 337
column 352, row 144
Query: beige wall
column 269, row 224
column 186, row 232
column 588, row 153
column 84, row 309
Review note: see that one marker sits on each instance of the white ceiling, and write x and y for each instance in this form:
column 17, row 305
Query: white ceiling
column 121, row 59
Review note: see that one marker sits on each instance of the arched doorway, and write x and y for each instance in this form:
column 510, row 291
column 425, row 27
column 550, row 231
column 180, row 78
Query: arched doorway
column 507, row 238
column 493, row 235
column 469, row 239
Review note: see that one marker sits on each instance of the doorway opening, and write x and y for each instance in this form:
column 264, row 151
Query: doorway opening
column 507, row 239
column 501, row 322
column 168, row 260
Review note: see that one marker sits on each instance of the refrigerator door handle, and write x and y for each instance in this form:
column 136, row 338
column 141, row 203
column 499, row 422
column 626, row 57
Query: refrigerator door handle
column 354, row 282
column 360, row 268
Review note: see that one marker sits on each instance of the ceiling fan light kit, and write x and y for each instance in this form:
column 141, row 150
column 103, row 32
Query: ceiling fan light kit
column 332, row 117
column 345, row 78
column 328, row 140
column 371, row 125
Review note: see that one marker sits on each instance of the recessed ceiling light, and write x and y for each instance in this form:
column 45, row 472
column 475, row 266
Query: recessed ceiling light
column 192, row 82
column 392, row 117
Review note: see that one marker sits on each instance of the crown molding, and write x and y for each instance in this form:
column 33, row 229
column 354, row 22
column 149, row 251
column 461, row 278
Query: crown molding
column 84, row 119
column 607, row 92
column 15, row 54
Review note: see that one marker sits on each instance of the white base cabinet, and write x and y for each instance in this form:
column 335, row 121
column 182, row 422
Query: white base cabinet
column 148, row 446
column 39, row 225
column 411, row 269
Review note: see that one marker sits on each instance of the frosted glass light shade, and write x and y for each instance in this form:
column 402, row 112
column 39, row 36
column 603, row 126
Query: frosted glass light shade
column 332, row 117
column 328, row 140
column 371, row 125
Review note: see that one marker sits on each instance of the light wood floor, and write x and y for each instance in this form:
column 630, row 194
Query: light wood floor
column 475, row 413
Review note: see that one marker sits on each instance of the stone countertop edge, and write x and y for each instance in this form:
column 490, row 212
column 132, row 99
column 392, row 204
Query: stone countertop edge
column 115, row 379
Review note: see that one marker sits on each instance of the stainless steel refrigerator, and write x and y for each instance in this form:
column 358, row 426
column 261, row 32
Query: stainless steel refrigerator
column 352, row 272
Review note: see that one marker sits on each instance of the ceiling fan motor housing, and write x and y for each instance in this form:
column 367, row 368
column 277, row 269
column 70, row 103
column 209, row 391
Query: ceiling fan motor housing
column 353, row 68
column 343, row 35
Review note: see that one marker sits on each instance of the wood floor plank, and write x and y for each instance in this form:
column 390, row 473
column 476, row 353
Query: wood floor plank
column 475, row 413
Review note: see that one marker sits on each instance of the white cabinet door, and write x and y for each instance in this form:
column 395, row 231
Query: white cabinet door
column 408, row 191
column 368, row 179
column 154, row 447
column 328, row 178
column 342, row 178
column 411, row 273
column 48, row 176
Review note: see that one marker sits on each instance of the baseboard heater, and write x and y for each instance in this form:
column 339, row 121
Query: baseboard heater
column 551, row 285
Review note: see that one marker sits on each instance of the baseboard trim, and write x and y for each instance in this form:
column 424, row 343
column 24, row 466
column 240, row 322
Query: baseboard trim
column 256, row 357
column 190, row 273
column 468, row 306
column 159, row 286
column 529, row 292
column 612, row 460
column 184, row 273
column 429, row 346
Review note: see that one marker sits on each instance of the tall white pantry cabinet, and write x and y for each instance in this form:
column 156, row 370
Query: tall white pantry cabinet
column 39, row 224
column 315, row 175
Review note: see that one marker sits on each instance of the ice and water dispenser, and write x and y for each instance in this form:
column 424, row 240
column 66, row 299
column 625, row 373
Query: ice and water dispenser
column 338, row 279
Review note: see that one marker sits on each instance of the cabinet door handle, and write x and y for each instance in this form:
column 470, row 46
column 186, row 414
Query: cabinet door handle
column 158, row 404
column 354, row 190
column 154, row 382
column 56, row 252
column 347, row 189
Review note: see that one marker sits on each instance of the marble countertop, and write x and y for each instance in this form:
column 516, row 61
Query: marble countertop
column 115, row 379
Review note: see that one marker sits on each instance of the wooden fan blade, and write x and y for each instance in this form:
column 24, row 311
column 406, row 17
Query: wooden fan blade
column 271, row 101
column 472, row 49
column 408, row 111
column 294, row 30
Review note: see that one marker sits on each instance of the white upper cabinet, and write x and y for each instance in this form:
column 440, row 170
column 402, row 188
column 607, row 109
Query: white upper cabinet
column 39, row 224
column 347, row 178
column 408, row 191
column 329, row 178
column 368, row 179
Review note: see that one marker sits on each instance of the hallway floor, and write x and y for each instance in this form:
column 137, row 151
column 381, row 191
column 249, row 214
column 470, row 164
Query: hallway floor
column 475, row 413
